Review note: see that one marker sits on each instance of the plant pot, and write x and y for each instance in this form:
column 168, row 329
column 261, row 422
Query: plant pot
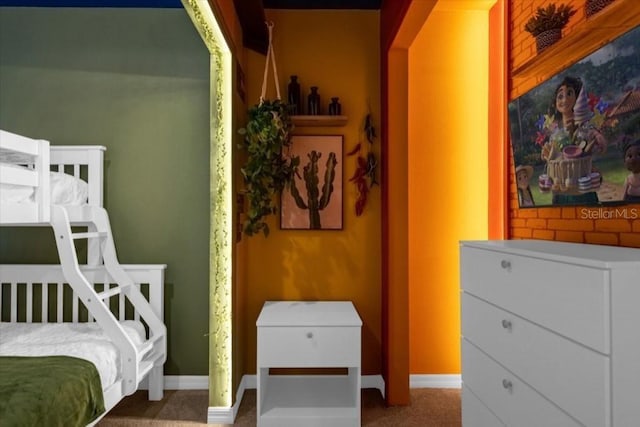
column 547, row 38
column 592, row 7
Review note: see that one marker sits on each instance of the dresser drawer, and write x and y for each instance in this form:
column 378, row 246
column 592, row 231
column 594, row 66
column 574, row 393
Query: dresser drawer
column 475, row 414
column 569, row 299
column 567, row 373
column 510, row 399
column 302, row 346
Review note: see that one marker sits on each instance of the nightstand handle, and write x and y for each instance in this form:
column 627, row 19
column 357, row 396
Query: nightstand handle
column 506, row 324
column 505, row 264
column 507, row 384
column 309, row 334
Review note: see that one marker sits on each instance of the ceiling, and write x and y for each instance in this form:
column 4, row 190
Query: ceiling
column 252, row 17
column 250, row 12
column 267, row 4
column 93, row 3
column 321, row 4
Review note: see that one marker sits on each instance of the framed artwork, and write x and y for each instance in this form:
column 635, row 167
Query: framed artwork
column 314, row 199
column 575, row 137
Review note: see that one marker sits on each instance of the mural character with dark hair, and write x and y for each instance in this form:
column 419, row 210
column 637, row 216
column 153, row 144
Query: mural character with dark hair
column 631, row 189
column 564, row 102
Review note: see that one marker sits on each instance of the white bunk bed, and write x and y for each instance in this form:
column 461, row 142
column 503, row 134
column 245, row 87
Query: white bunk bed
column 101, row 297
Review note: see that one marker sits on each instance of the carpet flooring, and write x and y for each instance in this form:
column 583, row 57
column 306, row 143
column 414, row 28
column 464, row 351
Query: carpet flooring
column 429, row 407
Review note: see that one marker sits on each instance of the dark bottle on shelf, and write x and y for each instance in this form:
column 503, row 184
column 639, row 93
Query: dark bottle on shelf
column 293, row 98
column 313, row 102
column 335, row 109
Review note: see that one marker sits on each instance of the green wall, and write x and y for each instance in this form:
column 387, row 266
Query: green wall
column 137, row 82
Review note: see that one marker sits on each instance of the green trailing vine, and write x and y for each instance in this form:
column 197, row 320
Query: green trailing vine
column 267, row 170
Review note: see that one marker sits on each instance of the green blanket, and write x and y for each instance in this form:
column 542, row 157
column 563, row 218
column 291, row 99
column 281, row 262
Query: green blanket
column 49, row 391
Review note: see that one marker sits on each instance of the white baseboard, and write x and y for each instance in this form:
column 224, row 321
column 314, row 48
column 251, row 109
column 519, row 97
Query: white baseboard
column 227, row 415
column 435, row 381
column 186, row 382
column 373, row 381
column 181, row 382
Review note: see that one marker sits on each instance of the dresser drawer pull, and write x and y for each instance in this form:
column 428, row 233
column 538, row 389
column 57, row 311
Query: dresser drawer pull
column 506, row 324
column 507, row 385
column 505, row 264
column 309, row 334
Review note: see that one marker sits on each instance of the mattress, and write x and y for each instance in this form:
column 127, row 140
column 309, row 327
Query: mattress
column 82, row 340
column 65, row 190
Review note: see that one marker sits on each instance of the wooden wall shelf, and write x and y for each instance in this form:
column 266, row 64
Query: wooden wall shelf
column 322, row 120
column 597, row 30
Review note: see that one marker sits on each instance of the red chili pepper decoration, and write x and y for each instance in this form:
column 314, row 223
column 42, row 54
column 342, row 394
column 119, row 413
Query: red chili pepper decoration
column 365, row 167
column 355, row 150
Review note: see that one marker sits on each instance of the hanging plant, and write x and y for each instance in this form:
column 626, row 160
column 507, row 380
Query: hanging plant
column 268, row 169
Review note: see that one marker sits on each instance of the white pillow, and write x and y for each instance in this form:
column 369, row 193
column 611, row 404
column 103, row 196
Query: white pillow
column 68, row 190
column 65, row 190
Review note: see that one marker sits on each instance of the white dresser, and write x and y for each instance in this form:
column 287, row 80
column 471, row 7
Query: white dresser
column 306, row 334
column 550, row 334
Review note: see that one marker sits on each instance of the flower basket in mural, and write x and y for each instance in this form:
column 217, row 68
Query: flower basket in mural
column 547, row 38
column 591, row 7
column 547, row 23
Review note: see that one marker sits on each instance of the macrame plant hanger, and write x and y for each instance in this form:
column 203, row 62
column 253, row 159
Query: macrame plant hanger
column 270, row 55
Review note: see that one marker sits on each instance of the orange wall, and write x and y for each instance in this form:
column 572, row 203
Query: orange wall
column 611, row 226
column 338, row 51
column 448, row 175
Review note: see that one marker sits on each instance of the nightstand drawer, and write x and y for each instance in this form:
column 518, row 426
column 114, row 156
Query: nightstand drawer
column 510, row 399
column 308, row 346
column 573, row 377
column 569, row 299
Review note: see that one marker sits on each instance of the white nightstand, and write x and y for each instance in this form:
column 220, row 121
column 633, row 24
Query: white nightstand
column 306, row 334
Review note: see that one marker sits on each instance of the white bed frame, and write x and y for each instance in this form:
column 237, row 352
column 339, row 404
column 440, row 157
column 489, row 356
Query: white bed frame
column 39, row 155
column 104, row 287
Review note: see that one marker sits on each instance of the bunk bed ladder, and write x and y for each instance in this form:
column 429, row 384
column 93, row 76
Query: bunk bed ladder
column 137, row 361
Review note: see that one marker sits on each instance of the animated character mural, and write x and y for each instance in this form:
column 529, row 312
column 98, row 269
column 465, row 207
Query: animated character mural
column 572, row 129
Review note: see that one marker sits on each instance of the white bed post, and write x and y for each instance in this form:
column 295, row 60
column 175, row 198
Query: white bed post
column 156, row 383
column 96, row 176
column 42, row 190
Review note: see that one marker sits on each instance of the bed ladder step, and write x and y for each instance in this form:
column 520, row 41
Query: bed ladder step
column 90, row 235
column 144, row 369
column 148, row 345
column 111, row 292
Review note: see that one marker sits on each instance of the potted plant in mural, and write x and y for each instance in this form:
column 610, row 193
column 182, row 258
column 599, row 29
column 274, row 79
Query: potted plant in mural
column 547, row 24
column 592, row 7
column 267, row 171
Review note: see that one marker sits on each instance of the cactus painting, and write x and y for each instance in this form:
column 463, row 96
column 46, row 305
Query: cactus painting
column 314, row 198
